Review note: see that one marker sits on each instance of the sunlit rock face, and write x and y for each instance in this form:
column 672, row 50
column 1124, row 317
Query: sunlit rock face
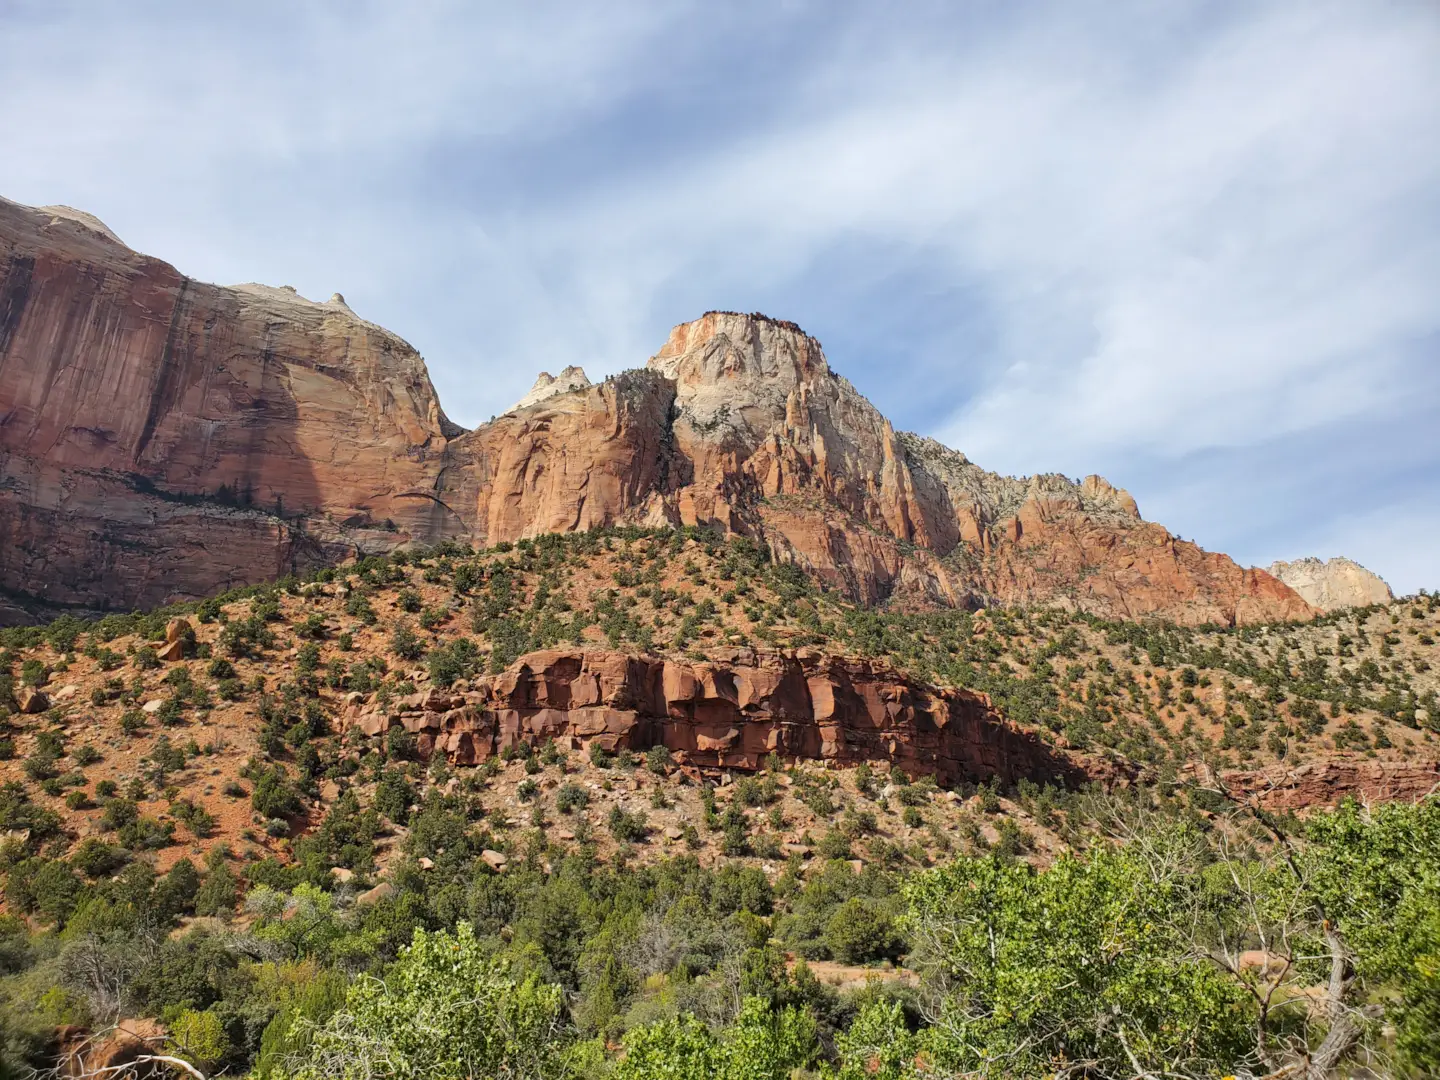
column 1333, row 583
column 732, row 711
column 162, row 438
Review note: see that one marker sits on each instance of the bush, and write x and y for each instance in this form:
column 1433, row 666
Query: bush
column 859, row 932
column 199, row 1038
column 273, row 796
column 405, row 643
column 571, row 797
column 94, row 858
column 393, row 796
column 627, row 827
column 446, row 1009
column 33, row 673
column 835, row 845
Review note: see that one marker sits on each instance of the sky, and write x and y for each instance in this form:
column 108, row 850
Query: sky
column 1193, row 247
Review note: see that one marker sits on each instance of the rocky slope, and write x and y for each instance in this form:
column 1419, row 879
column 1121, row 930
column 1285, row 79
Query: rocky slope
column 582, row 651
column 1333, row 583
column 161, row 438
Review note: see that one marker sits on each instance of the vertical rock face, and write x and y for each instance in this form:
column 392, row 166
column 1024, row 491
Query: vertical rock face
column 730, row 711
column 1333, row 583
column 161, row 437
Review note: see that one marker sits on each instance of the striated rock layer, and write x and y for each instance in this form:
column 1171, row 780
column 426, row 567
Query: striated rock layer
column 1333, row 583
column 730, row 711
column 1326, row 783
column 738, row 423
column 161, row 438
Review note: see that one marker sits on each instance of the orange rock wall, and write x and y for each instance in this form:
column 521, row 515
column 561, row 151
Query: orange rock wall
column 730, row 711
column 163, row 439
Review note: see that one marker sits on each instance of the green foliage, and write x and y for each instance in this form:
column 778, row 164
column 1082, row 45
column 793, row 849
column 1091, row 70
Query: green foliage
column 762, row 1044
column 860, row 931
column 445, row 1011
column 1081, row 962
column 1377, row 874
column 199, row 1038
column 273, row 796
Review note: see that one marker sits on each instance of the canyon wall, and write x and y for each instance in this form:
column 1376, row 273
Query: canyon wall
column 730, row 711
column 161, row 439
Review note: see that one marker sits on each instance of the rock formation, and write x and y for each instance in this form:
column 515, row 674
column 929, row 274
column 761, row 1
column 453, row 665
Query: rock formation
column 738, row 423
column 1325, row 783
column 161, row 438
column 730, row 711
column 1333, row 583
column 547, row 385
column 164, row 438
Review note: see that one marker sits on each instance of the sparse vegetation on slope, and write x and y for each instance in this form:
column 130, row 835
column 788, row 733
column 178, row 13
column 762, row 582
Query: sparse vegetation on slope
column 185, row 767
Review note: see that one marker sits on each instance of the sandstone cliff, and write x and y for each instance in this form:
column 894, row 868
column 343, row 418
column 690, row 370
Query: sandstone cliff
column 1333, row 583
column 739, row 423
column 162, row 438
column 730, row 711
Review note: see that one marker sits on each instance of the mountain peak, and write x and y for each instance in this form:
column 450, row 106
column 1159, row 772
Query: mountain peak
column 1333, row 583
column 547, row 386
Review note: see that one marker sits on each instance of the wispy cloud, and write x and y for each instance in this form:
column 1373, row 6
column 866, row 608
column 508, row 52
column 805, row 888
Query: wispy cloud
column 1191, row 246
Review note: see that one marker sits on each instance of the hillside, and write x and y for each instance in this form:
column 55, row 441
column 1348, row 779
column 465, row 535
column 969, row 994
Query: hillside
column 324, row 678
column 215, row 815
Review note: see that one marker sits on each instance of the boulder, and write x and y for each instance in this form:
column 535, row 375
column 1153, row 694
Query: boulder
column 31, row 700
column 171, row 651
column 384, row 891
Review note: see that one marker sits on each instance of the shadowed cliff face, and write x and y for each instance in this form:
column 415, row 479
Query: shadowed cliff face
column 162, row 438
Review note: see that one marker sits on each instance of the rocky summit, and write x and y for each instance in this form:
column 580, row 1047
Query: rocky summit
column 162, row 438
column 1333, row 583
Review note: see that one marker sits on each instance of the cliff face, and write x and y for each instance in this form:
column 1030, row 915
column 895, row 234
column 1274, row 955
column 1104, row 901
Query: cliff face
column 163, row 438
column 739, row 423
column 1333, row 583
column 731, row 711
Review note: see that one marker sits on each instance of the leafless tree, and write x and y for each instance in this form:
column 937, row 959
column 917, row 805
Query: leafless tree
column 85, row 1062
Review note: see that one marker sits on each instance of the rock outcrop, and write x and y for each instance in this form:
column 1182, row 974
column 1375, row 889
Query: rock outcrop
column 1333, row 583
column 1325, row 783
column 729, row 711
column 547, row 385
column 161, row 438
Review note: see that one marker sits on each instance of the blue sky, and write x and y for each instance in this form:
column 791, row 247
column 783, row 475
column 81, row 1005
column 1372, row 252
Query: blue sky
column 1194, row 247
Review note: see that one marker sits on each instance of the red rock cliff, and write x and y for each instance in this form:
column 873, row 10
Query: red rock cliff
column 739, row 423
column 163, row 438
column 730, row 711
